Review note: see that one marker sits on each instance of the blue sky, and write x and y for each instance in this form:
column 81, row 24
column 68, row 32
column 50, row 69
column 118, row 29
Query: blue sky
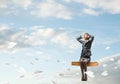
column 41, row 36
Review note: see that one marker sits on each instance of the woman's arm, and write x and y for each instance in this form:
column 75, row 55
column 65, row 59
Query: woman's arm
column 80, row 39
column 91, row 38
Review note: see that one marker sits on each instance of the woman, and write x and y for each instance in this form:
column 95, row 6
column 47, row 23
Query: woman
column 85, row 58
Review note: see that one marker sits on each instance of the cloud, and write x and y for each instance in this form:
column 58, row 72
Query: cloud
column 52, row 9
column 104, row 73
column 21, row 70
column 56, row 9
column 64, row 39
column 104, row 65
column 91, row 4
column 12, row 44
column 59, row 9
column 19, row 3
column 5, row 82
column 3, row 3
column 110, row 58
column 39, row 36
column 44, row 36
column 34, row 36
column 109, row 6
column 112, row 6
column 61, row 39
column 95, row 74
column 90, row 74
column 9, row 38
column 5, row 34
column 3, row 27
column 22, row 3
column 90, row 12
column 14, row 7
column 107, row 48
column 68, row 1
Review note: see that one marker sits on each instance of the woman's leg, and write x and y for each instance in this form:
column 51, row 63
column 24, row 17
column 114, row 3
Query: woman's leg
column 82, row 69
column 85, row 65
column 86, row 62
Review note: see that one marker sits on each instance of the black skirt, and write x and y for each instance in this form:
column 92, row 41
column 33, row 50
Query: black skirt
column 86, row 53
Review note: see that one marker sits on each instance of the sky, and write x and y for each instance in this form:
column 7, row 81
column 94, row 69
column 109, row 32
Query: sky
column 38, row 37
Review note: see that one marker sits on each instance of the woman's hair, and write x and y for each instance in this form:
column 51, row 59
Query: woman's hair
column 86, row 33
column 86, row 38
